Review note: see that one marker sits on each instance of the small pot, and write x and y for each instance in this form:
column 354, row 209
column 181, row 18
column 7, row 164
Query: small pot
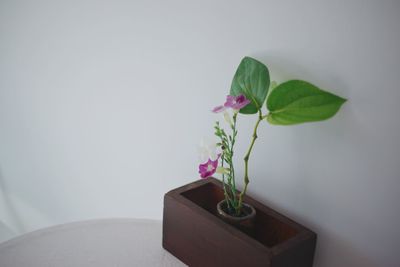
column 245, row 223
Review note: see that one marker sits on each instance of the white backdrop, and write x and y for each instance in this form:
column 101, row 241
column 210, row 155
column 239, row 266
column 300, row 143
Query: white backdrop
column 102, row 104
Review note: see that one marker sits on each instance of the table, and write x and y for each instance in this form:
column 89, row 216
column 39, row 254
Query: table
column 108, row 243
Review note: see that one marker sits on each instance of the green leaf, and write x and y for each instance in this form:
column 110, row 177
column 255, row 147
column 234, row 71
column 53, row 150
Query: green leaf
column 252, row 80
column 296, row 101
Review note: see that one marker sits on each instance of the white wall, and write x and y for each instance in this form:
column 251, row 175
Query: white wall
column 102, row 104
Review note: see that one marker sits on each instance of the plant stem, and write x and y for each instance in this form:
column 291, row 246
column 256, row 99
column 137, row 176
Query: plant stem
column 228, row 179
column 231, row 151
column 246, row 161
column 223, row 183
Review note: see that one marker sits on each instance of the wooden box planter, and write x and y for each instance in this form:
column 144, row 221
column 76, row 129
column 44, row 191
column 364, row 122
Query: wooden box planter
column 193, row 232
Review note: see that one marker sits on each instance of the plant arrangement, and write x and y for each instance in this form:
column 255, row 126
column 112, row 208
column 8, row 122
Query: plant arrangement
column 291, row 102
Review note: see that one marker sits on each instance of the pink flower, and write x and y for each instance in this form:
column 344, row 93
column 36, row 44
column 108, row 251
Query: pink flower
column 218, row 109
column 236, row 102
column 233, row 102
column 209, row 168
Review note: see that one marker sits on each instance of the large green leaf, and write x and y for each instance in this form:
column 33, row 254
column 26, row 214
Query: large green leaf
column 296, row 101
column 252, row 80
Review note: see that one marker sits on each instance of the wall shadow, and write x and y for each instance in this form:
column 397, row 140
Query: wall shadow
column 333, row 248
column 12, row 220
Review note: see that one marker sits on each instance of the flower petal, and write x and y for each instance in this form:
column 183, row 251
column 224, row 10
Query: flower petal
column 230, row 101
column 209, row 168
column 218, row 109
column 227, row 118
column 207, row 149
column 237, row 102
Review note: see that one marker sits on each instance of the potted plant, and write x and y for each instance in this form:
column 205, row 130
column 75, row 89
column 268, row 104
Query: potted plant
column 252, row 93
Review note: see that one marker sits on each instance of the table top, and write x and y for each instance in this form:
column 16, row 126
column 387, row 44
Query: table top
column 108, row 242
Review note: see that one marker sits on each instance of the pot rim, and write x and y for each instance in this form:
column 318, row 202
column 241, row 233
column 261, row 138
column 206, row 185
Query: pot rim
column 252, row 214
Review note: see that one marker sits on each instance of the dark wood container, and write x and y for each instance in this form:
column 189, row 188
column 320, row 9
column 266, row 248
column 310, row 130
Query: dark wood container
column 193, row 232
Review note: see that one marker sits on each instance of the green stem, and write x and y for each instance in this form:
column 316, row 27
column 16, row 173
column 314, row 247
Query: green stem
column 231, row 167
column 223, row 183
column 246, row 161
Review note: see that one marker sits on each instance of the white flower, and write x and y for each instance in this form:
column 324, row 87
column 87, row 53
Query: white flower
column 207, row 149
column 227, row 118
